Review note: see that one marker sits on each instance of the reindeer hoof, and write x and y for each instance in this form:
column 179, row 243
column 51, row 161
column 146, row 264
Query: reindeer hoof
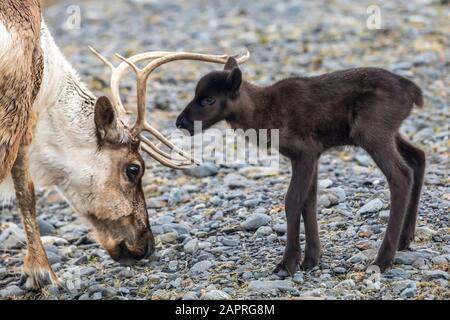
column 37, row 279
column 405, row 243
column 309, row 264
column 286, row 268
column 383, row 264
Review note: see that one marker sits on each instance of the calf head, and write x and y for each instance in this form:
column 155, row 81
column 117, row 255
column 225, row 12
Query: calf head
column 216, row 98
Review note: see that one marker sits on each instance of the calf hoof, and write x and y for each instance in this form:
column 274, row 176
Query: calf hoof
column 404, row 243
column 287, row 267
column 309, row 263
column 36, row 279
column 383, row 264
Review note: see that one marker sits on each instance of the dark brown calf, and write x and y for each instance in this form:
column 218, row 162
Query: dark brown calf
column 363, row 107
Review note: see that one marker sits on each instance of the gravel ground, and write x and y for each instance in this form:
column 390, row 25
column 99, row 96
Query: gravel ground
column 221, row 229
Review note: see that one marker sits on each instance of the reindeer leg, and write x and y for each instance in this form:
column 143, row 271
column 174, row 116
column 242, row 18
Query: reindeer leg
column 36, row 268
column 416, row 160
column 399, row 177
column 302, row 173
column 309, row 214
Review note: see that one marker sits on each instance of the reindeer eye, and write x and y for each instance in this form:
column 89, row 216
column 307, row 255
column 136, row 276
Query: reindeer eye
column 208, row 101
column 132, row 171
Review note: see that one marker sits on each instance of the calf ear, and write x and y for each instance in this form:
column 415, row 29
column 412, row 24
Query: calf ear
column 106, row 121
column 234, row 80
column 230, row 64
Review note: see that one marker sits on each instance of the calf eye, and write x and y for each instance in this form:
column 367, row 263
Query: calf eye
column 132, row 171
column 208, row 101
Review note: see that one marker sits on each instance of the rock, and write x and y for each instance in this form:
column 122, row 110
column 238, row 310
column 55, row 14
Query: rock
column 442, row 259
column 201, row 267
column 12, row 237
column 255, row 221
column 325, row 183
column 384, row 215
column 372, row 206
column 203, row 170
column 216, row 295
column 340, row 270
column 3, row 273
column 230, row 242
column 258, row 172
column 251, row 203
column 436, row 274
column 280, row 228
column 424, row 134
column 11, row 291
column 177, row 195
column 53, row 258
column 267, row 286
column 347, row 284
column 364, row 160
column 191, row 246
column 405, row 257
column 364, row 244
column 49, row 240
column 264, row 231
column 189, row 296
column 408, row 293
column 399, row 286
column 424, row 233
column 169, row 237
column 235, row 181
column 45, row 228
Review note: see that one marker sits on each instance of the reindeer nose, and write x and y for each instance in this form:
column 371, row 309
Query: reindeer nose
column 181, row 123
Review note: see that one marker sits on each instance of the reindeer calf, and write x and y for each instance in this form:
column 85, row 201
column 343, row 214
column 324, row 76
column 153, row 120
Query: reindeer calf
column 362, row 107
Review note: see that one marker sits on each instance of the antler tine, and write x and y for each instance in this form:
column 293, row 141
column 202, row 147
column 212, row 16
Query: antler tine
column 161, row 57
column 102, row 58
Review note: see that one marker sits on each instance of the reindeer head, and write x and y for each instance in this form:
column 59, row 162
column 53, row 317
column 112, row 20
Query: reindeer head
column 118, row 212
column 216, row 95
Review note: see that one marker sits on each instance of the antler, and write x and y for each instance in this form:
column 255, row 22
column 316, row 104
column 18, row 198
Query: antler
column 160, row 58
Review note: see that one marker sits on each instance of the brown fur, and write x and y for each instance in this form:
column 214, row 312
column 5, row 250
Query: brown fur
column 19, row 86
column 362, row 107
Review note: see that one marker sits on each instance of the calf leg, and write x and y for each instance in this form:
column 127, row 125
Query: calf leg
column 309, row 214
column 416, row 160
column 302, row 173
column 399, row 177
column 36, row 268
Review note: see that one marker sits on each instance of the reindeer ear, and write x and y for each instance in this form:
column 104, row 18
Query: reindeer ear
column 234, row 80
column 106, row 121
column 230, row 64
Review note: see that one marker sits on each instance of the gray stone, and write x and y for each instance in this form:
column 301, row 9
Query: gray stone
column 176, row 196
column 325, row 183
column 216, row 295
column 347, row 284
column 436, row 274
column 201, row 267
column 372, row 206
column 190, row 296
column 230, row 242
column 12, row 237
column 280, row 228
column 203, row 170
column 45, row 228
column 264, row 231
column 235, row 181
column 405, row 257
column 267, row 286
column 364, row 160
column 191, row 246
column 11, row 291
column 256, row 220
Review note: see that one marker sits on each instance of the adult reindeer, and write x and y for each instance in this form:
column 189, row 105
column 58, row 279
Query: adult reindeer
column 55, row 132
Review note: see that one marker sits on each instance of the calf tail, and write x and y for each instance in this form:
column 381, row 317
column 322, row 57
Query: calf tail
column 414, row 92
